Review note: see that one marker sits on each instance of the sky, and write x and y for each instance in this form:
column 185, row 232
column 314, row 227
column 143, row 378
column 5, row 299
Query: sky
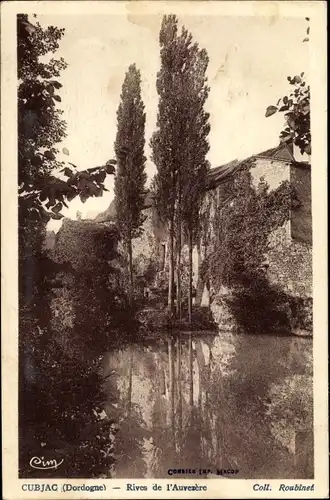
column 250, row 59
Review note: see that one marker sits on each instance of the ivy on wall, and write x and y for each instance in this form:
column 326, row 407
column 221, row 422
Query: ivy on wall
column 237, row 257
column 242, row 227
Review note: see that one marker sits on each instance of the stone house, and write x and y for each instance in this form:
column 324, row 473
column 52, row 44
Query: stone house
column 290, row 256
column 289, row 260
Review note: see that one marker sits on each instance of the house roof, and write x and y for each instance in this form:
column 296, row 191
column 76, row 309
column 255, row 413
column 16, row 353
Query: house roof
column 219, row 173
column 283, row 152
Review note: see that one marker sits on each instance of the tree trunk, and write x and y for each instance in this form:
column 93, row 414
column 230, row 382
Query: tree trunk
column 171, row 380
column 208, row 408
column 191, row 388
column 190, row 277
column 178, row 273
column 200, row 283
column 191, row 381
column 171, row 268
column 130, row 384
column 199, row 256
column 201, row 372
column 130, row 272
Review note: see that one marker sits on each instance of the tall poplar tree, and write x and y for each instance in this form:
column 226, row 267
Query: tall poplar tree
column 196, row 148
column 164, row 141
column 169, row 143
column 130, row 177
column 180, row 144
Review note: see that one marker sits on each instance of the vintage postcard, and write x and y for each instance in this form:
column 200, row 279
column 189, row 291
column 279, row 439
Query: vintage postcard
column 164, row 305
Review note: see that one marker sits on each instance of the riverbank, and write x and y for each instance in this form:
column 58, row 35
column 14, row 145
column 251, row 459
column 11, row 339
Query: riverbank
column 155, row 321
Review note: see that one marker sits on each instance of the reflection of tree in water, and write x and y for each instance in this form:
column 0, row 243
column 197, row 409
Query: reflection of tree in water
column 129, row 445
column 163, row 454
column 130, row 432
column 171, row 446
column 228, row 425
column 192, row 455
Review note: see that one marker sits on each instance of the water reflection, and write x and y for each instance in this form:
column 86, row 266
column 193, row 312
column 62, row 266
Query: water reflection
column 205, row 409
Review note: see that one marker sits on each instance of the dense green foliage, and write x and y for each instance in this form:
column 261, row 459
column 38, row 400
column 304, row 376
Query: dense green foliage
column 60, row 389
column 238, row 256
column 195, row 145
column 242, row 227
column 61, row 370
column 180, row 144
column 166, row 141
column 98, row 299
column 296, row 109
column 42, row 194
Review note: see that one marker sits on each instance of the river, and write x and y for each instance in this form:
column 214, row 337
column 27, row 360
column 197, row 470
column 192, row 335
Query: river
column 251, row 411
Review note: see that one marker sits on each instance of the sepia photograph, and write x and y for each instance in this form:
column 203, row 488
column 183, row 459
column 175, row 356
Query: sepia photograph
column 165, row 246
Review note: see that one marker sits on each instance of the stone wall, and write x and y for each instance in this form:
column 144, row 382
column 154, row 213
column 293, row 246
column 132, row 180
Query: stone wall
column 289, row 259
column 290, row 264
column 152, row 244
column 301, row 217
column 274, row 172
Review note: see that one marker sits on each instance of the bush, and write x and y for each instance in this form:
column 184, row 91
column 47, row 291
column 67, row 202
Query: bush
column 201, row 320
column 260, row 308
column 302, row 313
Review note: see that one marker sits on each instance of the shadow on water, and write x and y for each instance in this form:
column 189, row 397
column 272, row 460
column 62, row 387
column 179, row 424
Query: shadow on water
column 214, row 417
